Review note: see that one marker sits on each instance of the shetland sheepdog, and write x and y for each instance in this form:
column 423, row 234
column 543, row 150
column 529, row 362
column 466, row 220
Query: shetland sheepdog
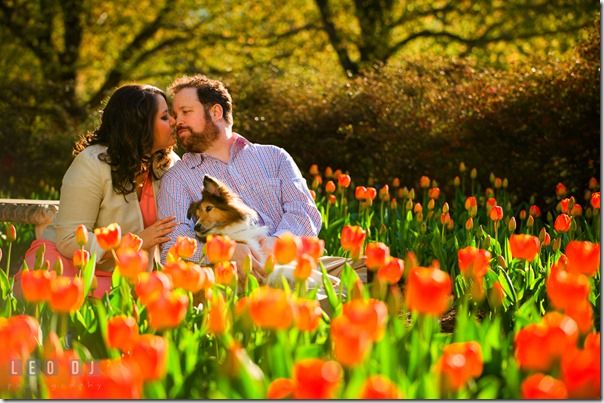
column 221, row 211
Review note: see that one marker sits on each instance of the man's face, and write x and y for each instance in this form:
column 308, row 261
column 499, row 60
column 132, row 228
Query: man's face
column 194, row 127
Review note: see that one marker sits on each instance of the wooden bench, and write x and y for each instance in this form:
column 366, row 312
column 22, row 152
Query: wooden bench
column 40, row 213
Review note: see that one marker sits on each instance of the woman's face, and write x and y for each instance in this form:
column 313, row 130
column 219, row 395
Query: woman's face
column 163, row 133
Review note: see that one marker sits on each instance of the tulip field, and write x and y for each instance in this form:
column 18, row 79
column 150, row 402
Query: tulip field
column 470, row 294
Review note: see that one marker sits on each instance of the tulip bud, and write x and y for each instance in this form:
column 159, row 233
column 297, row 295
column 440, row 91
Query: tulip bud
column 11, row 233
column 486, row 242
column 58, row 266
column 556, row 244
column 549, row 216
column 396, row 182
column 419, row 216
column 498, row 183
column 522, row 214
column 512, row 224
column 473, row 173
column 492, row 177
column 393, row 204
column 530, row 222
column 423, row 227
column 314, row 169
column 588, row 212
column 445, row 208
column 456, row 181
column 269, row 265
column 246, row 267
column 402, row 193
column 409, row 204
column 450, row 224
column 412, row 194
column 496, row 295
column 328, row 172
column 431, row 204
column 469, row 224
column 462, row 167
column 81, row 235
column 501, row 262
column 330, row 187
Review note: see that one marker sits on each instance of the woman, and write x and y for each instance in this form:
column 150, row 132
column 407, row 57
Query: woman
column 114, row 178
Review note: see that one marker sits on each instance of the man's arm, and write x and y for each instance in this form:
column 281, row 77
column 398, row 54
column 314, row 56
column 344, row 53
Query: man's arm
column 301, row 216
column 174, row 200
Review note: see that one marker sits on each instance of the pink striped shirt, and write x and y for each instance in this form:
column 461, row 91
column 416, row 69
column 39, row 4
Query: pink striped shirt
column 265, row 177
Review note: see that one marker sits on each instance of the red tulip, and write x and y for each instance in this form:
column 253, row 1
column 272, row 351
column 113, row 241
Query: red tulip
column 352, row 239
column 583, row 257
column 428, row 290
column 459, row 363
column 540, row 386
column 316, row 378
column 150, row 354
column 434, row 193
column 524, row 246
column 595, row 200
column 496, row 213
column 281, row 388
column 122, row 332
column 561, row 190
column 66, row 294
column 392, row 271
column 473, row 262
column 377, row 255
column 35, row 284
column 379, row 387
column 562, row 223
column 343, row 181
column 313, row 246
column 108, row 237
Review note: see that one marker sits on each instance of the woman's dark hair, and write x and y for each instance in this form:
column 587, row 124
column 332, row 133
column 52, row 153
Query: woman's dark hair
column 126, row 128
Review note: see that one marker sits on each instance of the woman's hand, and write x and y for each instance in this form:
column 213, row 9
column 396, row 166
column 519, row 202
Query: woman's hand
column 157, row 232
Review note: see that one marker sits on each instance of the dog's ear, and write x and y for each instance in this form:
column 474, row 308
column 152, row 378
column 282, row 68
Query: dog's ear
column 212, row 186
column 191, row 212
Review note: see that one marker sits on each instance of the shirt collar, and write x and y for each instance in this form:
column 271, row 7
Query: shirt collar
column 195, row 159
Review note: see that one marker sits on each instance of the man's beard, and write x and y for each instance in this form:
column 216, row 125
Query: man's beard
column 199, row 142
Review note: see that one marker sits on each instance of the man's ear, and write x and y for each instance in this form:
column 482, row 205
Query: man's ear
column 211, row 185
column 216, row 112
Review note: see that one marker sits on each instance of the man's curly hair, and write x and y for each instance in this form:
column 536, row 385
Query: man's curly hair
column 209, row 92
column 126, row 129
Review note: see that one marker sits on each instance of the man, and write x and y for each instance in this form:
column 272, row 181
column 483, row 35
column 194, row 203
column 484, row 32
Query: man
column 265, row 177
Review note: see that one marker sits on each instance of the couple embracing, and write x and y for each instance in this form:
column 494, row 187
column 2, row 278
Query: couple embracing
column 126, row 172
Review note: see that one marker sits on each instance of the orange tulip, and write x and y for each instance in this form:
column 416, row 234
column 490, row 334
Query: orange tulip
column 583, row 257
column 582, row 313
column 286, row 248
column 473, row 262
column 313, row 246
column 330, row 187
column 424, row 182
column 360, row 193
column 189, row 276
column 496, row 295
column 332, row 199
column 185, row 247
column 111, row 379
column 524, row 246
column 352, row 239
column 470, row 202
column 122, row 332
column 371, row 193
column 168, row 310
column 370, row 316
column 307, row 314
column 561, row 190
column 565, row 289
column 131, row 241
column 535, row 211
column 496, row 213
column 66, row 294
column 281, row 388
column 384, row 193
column 459, row 363
column 63, row 383
column 108, row 237
column 380, row 387
column 150, row 354
column 428, row 290
column 11, row 233
column 541, row 386
column 350, row 346
column 80, row 257
column 344, row 181
column 22, row 337
column 313, row 194
column 271, row 308
column 304, row 266
column 35, row 284
column 219, row 248
column 225, row 273
column 218, row 320
column 562, row 223
column 595, row 200
column 316, row 378
column 434, row 193
column 150, row 286
column 131, row 262
column 314, row 169
column 576, row 211
column 392, row 271
column 81, row 235
column 377, row 255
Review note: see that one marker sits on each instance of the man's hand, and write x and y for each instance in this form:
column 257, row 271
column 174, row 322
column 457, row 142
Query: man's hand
column 242, row 251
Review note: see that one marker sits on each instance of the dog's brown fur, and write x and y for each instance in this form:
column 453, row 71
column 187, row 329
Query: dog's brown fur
column 217, row 209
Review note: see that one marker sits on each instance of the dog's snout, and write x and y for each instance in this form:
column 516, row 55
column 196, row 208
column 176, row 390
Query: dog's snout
column 198, row 227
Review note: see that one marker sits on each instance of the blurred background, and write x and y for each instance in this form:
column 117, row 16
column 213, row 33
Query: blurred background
column 377, row 88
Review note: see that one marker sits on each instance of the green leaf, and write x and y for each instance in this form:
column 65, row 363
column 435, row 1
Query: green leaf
column 154, row 390
column 88, row 273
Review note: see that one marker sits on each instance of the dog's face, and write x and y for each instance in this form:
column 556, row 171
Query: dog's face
column 217, row 209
